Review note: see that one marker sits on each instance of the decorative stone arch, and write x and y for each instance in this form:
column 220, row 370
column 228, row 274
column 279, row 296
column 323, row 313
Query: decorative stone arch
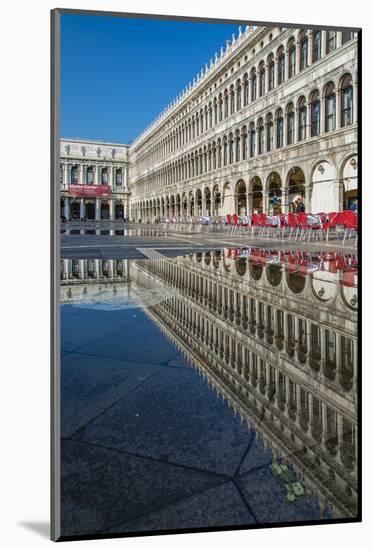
column 256, row 194
column 162, row 206
column 177, row 205
column 295, row 186
column 184, row 204
column 198, row 202
column 191, row 203
column 324, row 187
column 273, row 190
column 207, row 199
column 119, row 210
column 227, row 200
column 75, row 210
column 273, row 273
column 172, row 206
column 217, row 199
column 295, row 282
column 240, row 197
column 349, row 181
column 104, row 210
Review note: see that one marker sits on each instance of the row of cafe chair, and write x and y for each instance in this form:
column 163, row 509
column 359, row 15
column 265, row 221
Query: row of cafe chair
column 303, row 263
column 301, row 226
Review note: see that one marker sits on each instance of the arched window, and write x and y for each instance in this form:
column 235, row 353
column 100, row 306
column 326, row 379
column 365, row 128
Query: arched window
column 262, row 79
column 232, row 100
column 279, row 118
column 201, row 122
column 330, row 107
column 292, row 56
column 210, row 115
column 330, row 41
column 226, row 100
column 237, row 146
column 346, row 88
column 118, row 177
column 302, row 108
column 246, row 90
column 269, row 124
column 220, row 107
column 315, row 114
column 303, row 41
column 253, row 84
column 239, row 95
column 270, row 72
column 206, row 119
column 290, row 124
column 252, row 139
column 260, row 136
column 214, row 155
column 219, row 153
column 74, row 175
column 104, row 176
column 230, row 144
column 244, row 143
column 281, row 65
column 225, row 155
column 215, row 111
column 316, row 53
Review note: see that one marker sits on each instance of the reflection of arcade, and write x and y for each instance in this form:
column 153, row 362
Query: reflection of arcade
column 276, row 335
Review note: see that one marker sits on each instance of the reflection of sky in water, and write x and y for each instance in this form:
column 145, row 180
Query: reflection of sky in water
column 121, row 298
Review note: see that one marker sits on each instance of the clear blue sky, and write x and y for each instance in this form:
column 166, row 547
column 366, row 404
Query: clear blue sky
column 117, row 74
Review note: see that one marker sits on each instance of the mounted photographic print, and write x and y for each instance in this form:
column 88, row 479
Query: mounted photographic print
column 205, row 212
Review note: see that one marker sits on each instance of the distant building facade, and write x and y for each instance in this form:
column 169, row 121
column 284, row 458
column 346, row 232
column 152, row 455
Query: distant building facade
column 94, row 180
column 274, row 116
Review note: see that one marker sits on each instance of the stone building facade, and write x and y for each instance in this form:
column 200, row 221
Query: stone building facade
column 274, row 115
column 94, row 180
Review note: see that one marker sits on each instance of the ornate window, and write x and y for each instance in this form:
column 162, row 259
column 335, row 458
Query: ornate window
column 279, row 117
column 262, row 79
column 270, row 72
column 253, row 84
column 239, row 95
column 292, row 56
column 290, row 124
column 315, row 114
column 74, row 175
column 232, row 100
column 230, row 142
column 246, row 90
column 302, row 119
column 346, row 88
column 252, row 139
column 316, row 54
column 226, row 100
column 220, row 107
column 330, row 107
column 281, row 65
column 330, row 41
column 237, row 147
column 303, row 40
column 225, row 155
column 244, row 143
column 269, row 123
column 260, row 137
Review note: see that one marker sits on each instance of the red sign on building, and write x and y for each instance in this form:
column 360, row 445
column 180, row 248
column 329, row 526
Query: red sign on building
column 89, row 190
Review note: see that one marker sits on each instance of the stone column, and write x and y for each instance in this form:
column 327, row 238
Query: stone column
column 125, row 176
column 82, row 268
column 297, row 58
column 265, row 203
column 286, row 65
column 82, row 208
column 339, row 39
column 275, row 72
column 97, row 209
column 66, row 208
column 323, row 44
column 95, row 174
column 81, row 174
column 111, row 210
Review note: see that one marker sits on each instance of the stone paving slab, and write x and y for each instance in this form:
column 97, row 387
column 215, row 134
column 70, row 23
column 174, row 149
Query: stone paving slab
column 89, row 385
column 173, row 416
column 216, row 507
column 102, row 488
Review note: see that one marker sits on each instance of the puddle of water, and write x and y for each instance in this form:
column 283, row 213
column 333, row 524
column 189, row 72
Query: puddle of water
column 238, row 362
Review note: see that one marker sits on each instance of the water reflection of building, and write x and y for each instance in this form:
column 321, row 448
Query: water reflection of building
column 281, row 347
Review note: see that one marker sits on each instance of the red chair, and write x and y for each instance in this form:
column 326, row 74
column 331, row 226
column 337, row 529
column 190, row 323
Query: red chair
column 350, row 221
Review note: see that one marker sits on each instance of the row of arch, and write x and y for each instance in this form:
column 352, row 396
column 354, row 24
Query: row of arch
column 323, row 111
column 272, row 71
column 273, row 193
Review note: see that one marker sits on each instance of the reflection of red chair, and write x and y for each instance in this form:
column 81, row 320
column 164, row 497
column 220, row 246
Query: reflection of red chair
column 236, row 220
column 230, row 220
column 350, row 221
column 349, row 276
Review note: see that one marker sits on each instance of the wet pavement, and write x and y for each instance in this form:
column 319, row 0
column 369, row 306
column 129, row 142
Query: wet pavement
column 152, row 436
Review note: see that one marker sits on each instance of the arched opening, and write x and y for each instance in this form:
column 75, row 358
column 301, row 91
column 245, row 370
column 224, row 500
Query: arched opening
column 330, row 107
column 177, row 205
column 275, row 193
column 295, row 282
column 296, row 187
column 274, row 274
column 217, row 200
column 315, row 109
column 198, row 202
column 208, row 201
column 119, row 211
column 346, row 87
column 256, row 194
column 241, row 266
column 104, row 211
column 241, row 198
column 350, row 184
column 324, row 188
column 75, row 210
column 191, row 204
column 104, row 176
column 90, row 175
column 90, row 210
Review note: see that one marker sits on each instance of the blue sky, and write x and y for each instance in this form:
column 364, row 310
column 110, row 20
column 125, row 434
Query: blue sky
column 117, row 74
